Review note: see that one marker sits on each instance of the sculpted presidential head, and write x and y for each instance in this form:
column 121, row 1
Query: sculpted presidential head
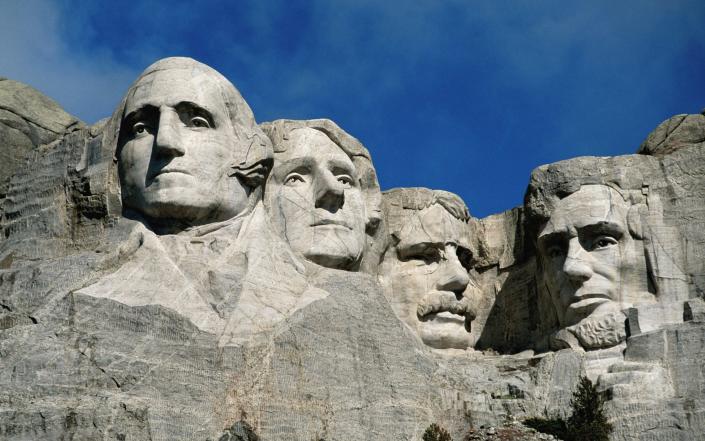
column 425, row 268
column 322, row 193
column 189, row 151
column 593, row 263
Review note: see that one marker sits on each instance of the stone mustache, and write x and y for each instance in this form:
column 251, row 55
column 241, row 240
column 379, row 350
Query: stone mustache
column 190, row 154
column 178, row 270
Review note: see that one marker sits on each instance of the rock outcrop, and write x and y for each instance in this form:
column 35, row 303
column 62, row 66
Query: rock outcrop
column 282, row 296
column 28, row 120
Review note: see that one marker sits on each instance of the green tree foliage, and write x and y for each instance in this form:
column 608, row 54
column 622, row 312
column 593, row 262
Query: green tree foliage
column 587, row 422
column 434, row 432
column 552, row 426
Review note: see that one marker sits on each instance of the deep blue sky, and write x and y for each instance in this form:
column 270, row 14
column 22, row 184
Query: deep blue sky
column 466, row 96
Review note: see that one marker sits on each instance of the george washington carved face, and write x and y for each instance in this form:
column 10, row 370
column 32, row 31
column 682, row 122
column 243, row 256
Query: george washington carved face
column 176, row 149
column 188, row 151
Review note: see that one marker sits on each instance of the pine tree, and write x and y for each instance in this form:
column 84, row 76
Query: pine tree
column 588, row 421
column 436, row 433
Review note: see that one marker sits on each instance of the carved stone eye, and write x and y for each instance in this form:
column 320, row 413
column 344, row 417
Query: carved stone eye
column 199, row 121
column 293, row 179
column 139, row 128
column 345, row 180
column 603, row 242
column 555, row 251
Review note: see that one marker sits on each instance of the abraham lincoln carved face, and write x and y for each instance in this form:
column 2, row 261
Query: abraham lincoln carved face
column 592, row 265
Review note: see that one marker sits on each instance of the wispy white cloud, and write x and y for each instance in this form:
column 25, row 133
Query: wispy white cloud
column 34, row 52
column 478, row 82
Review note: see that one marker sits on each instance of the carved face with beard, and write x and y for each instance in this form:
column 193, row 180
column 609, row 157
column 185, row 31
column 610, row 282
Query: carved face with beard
column 592, row 266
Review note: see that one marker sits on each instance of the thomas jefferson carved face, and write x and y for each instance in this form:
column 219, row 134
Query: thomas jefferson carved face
column 592, row 265
column 315, row 200
column 175, row 149
column 425, row 276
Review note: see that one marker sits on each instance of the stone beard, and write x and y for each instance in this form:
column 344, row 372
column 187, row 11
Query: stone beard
column 592, row 267
column 425, row 275
column 315, row 200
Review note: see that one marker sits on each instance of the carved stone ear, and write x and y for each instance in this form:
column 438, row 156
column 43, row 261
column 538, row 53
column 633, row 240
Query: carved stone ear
column 373, row 221
column 373, row 205
column 635, row 219
column 254, row 175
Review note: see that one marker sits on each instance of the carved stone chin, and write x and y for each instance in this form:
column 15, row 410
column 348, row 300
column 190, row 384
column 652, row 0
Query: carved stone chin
column 318, row 197
column 425, row 269
column 593, row 266
column 179, row 146
column 594, row 332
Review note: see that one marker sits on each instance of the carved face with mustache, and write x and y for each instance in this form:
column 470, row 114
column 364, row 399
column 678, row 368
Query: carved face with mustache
column 426, row 275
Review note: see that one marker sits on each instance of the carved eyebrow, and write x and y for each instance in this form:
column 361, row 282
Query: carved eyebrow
column 414, row 248
column 138, row 114
column 552, row 238
column 195, row 110
column 340, row 166
column 294, row 164
column 604, row 227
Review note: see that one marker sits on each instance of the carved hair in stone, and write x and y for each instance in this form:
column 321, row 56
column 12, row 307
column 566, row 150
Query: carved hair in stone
column 322, row 194
column 424, row 272
column 599, row 255
column 188, row 149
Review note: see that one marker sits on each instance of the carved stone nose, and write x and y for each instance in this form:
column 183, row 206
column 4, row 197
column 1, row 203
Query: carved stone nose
column 453, row 276
column 330, row 194
column 168, row 141
column 576, row 265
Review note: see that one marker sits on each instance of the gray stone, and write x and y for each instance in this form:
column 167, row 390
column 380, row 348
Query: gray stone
column 424, row 271
column 139, row 303
column 647, row 318
column 677, row 132
column 694, row 311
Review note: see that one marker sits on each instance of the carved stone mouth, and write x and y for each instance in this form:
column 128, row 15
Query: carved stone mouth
column 322, row 222
column 437, row 303
column 169, row 170
column 588, row 301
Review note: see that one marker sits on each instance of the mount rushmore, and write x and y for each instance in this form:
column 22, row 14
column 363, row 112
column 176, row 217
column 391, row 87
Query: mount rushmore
column 178, row 269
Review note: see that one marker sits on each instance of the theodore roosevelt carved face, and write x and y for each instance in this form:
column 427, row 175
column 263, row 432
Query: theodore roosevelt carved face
column 592, row 266
column 425, row 270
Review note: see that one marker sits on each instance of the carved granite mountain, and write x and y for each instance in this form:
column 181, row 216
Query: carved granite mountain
column 265, row 288
column 28, row 119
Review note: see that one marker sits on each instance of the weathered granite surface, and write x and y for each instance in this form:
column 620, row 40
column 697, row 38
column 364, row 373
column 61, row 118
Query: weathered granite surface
column 28, row 120
column 179, row 272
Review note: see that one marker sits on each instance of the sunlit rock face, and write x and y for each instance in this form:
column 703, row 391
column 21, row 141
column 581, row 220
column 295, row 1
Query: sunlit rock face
column 425, row 269
column 28, row 119
column 322, row 195
column 593, row 266
column 177, row 271
column 185, row 135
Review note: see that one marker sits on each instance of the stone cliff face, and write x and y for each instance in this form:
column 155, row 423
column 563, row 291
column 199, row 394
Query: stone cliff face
column 325, row 309
column 28, row 119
